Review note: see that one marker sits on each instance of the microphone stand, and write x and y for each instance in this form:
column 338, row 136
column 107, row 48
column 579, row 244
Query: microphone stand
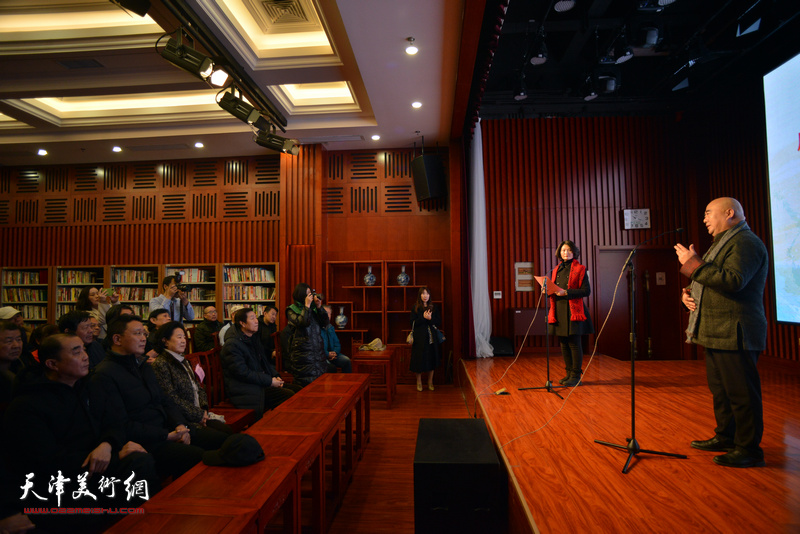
column 633, row 447
column 548, row 386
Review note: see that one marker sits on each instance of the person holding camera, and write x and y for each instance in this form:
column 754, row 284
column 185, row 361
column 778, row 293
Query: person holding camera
column 174, row 300
column 97, row 302
column 307, row 318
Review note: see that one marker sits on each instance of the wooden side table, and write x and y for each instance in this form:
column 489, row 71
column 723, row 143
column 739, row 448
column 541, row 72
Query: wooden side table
column 380, row 365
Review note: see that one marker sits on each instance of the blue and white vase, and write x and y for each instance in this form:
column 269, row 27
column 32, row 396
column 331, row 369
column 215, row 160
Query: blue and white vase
column 340, row 320
column 369, row 278
column 403, row 279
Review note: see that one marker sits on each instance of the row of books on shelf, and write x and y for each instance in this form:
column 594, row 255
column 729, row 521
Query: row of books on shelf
column 32, row 312
column 70, row 294
column 197, row 293
column 234, row 292
column 23, row 294
column 20, row 277
column 136, row 293
column 248, row 274
column 230, row 309
column 195, row 276
column 69, row 276
column 133, row 276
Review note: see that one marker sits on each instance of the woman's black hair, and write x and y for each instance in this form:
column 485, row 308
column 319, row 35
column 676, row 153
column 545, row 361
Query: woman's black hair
column 164, row 332
column 419, row 305
column 576, row 252
column 300, row 292
column 83, row 303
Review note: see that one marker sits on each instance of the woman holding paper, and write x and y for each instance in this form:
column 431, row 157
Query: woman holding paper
column 569, row 317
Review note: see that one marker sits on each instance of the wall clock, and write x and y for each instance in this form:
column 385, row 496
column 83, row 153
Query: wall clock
column 636, row 219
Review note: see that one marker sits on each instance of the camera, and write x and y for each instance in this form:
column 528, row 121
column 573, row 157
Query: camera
column 178, row 282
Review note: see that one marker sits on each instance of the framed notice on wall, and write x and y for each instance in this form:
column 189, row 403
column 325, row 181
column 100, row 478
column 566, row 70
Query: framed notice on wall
column 523, row 276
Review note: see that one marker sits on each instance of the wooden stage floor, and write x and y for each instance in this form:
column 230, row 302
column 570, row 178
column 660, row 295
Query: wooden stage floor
column 562, row 481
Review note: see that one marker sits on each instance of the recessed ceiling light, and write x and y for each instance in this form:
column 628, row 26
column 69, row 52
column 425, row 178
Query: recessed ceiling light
column 376, row 137
column 42, row 152
column 411, row 49
column 416, row 105
column 199, row 145
column 117, row 149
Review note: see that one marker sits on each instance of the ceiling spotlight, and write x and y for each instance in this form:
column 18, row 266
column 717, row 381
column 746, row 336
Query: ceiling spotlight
column 665, row 2
column 42, row 152
column 625, row 55
column 376, row 137
column 607, row 83
column 199, row 144
column 588, row 91
column 218, row 78
column 416, row 105
column 564, row 5
column 242, row 110
column 650, row 37
column 187, row 58
column 116, row 149
column 411, row 49
column 276, row 142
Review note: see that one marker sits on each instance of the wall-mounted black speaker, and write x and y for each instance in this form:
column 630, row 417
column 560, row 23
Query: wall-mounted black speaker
column 429, row 180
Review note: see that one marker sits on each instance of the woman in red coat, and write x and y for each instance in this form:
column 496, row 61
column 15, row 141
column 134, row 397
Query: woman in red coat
column 569, row 316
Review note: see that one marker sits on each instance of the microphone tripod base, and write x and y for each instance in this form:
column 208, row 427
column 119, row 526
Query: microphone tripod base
column 547, row 386
column 633, row 449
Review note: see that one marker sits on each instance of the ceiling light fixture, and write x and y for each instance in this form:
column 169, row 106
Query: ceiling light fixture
column 42, row 152
column 376, row 137
column 625, row 55
column 195, row 63
column 539, row 55
column 116, row 149
column 411, row 48
column 521, row 92
column 416, row 105
column 665, row 2
column 243, row 111
column 564, row 5
column 199, row 144
column 276, row 142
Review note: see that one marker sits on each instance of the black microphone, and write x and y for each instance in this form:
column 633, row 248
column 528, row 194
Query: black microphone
column 675, row 231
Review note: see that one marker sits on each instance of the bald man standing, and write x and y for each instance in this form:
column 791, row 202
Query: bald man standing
column 726, row 304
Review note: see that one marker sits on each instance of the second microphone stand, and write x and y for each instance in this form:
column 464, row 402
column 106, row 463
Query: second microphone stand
column 633, row 447
column 548, row 386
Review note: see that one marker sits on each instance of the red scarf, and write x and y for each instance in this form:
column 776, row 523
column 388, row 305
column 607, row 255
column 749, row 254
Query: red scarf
column 575, row 281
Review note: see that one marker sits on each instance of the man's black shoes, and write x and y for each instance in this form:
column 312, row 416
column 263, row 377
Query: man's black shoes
column 739, row 458
column 714, row 445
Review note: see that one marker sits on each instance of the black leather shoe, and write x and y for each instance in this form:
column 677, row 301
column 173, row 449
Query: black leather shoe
column 739, row 458
column 714, row 444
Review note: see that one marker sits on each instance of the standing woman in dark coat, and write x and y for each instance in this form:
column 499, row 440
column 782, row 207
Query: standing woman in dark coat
column 425, row 351
column 569, row 317
column 306, row 346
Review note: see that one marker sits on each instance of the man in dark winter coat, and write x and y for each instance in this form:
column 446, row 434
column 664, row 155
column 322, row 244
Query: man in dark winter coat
column 129, row 392
column 51, row 429
column 204, row 332
column 726, row 301
column 251, row 381
column 79, row 323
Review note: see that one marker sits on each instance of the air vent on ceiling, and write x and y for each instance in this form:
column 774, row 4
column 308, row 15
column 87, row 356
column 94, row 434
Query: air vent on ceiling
column 330, row 139
column 74, row 64
column 284, row 11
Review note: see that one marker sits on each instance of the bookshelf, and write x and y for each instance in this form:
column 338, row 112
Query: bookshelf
column 70, row 281
column 201, row 281
column 251, row 285
column 136, row 285
column 26, row 289
column 362, row 303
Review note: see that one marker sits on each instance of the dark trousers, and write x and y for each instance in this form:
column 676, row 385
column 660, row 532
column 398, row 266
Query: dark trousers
column 572, row 352
column 736, row 391
column 274, row 396
column 175, row 458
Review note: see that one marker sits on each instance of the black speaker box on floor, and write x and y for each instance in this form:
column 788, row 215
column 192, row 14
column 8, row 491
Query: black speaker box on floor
column 460, row 485
column 428, row 173
column 502, row 346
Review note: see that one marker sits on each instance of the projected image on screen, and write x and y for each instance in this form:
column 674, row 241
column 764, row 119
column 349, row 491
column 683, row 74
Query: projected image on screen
column 782, row 103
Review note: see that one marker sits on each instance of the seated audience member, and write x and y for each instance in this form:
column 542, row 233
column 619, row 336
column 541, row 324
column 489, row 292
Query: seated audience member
column 10, row 364
column 204, row 332
column 96, row 330
column 333, row 348
column 155, row 320
column 178, row 380
column 9, row 313
column 113, row 312
column 306, row 348
column 79, row 323
column 173, row 300
column 52, row 430
column 38, row 334
column 129, row 393
column 251, row 381
column 224, row 330
column 267, row 326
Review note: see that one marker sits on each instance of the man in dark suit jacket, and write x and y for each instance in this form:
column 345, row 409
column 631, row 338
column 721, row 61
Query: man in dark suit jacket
column 726, row 301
